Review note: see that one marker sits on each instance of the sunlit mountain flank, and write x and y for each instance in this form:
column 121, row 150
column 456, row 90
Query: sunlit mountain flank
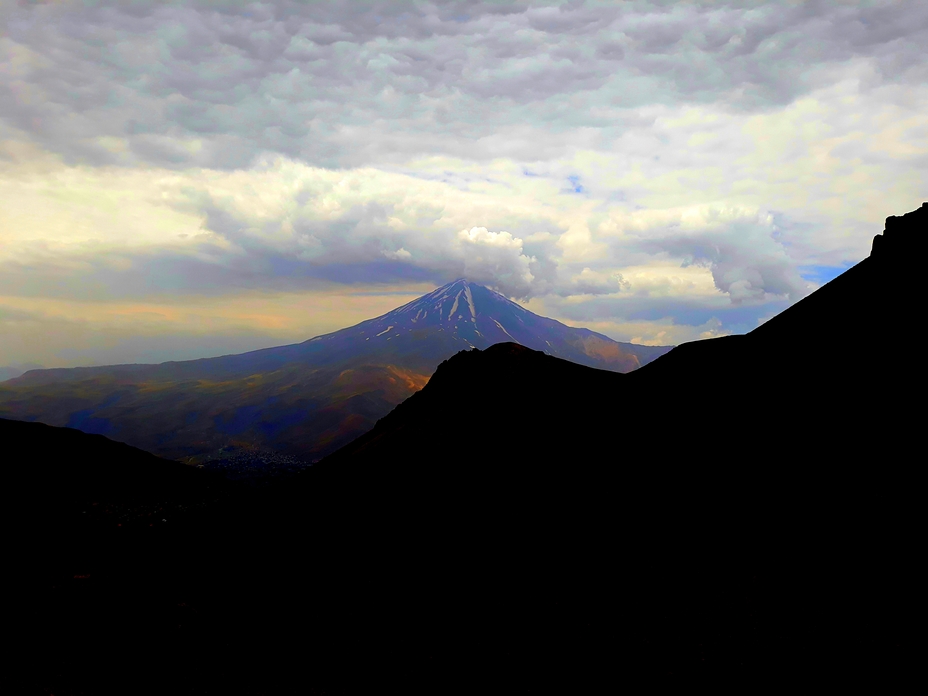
column 279, row 409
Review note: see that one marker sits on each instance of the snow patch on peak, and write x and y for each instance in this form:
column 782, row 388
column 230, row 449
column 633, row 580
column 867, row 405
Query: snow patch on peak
column 454, row 306
column 384, row 331
column 470, row 302
column 503, row 328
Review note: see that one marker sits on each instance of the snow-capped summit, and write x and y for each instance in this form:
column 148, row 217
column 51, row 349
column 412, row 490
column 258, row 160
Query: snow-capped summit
column 463, row 315
column 453, row 308
column 303, row 400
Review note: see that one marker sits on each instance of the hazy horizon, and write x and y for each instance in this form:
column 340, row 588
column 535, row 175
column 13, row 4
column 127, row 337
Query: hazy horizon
column 208, row 347
column 188, row 179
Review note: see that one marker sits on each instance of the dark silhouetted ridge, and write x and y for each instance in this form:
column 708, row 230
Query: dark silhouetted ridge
column 752, row 495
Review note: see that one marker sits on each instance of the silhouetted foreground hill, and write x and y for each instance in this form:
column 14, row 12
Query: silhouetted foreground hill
column 757, row 507
column 67, row 472
column 65, row 488
column 524, row 524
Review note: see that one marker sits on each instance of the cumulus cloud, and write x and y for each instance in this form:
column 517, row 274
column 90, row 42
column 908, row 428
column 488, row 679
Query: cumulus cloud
column 739, row 246
column 590, row 282
column 497, row 258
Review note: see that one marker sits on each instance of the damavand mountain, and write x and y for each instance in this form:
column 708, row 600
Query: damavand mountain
column 281, row 408
column 737, row 512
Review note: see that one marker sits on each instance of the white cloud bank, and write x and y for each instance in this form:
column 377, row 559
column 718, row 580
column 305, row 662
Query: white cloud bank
column 663, row 172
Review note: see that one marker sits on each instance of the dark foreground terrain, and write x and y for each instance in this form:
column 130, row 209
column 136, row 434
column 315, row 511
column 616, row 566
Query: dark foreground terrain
column 732, row 513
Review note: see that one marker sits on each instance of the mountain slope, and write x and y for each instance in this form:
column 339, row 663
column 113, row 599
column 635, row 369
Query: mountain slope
column 735, row 386
column 733, row 506
column 464, row 315
column 856, row 356
column 279, row 408
column 418, row 336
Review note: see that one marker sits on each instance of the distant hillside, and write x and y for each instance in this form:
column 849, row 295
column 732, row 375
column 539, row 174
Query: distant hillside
column 11, row 371
column 280, row 408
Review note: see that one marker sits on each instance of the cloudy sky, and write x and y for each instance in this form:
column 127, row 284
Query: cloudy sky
column 181, row 179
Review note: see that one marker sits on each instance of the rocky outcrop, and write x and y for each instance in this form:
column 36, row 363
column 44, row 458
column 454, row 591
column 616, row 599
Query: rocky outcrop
column 903, row 234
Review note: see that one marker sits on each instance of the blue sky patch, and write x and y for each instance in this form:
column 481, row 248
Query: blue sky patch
column 823, row 274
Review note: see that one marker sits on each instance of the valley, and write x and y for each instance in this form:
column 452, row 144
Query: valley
column 280, row 409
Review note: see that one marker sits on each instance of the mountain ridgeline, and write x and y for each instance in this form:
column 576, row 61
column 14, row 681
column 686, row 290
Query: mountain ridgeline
column 280, row 408
column 466, row 315
column 733, row 513
column 724, row 399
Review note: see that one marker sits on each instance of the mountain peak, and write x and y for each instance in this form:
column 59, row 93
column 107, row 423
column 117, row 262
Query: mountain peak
column 308, row 398
column 456, row 304
column 462, row 315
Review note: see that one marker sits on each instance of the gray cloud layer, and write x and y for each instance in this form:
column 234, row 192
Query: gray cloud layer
column 344, row 84
column 596, row 155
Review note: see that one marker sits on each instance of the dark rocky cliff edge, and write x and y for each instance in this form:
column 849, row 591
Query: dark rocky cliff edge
column 732, row 513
